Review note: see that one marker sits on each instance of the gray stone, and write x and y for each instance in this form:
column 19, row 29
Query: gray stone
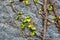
column 9, row 32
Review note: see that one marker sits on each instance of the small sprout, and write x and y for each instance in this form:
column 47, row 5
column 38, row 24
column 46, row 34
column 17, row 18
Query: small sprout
column 33, row 28
column 28, row 20
column 24, row 20
column 27, row 17
column 36, row 1
column 26, row 2
column 11, row 1
column 20, row 13
column 22, row 25
column 53, row 17
column 32, row 33
column 29, row 26
column 50, row 8
column 17, row 17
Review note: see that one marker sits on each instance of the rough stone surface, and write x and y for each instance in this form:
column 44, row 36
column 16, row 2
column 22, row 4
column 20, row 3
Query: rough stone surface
column 8, row 32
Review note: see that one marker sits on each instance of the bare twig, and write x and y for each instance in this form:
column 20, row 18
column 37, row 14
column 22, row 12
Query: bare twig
column 45, row 21
column 36, row 8
column 21, row 21
column 55, row 11
column 56, row 14
column 13, row 7
column 40, row 3
column 14, row 25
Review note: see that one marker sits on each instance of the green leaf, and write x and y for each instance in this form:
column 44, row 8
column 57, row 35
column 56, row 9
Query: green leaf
column 25, row 20
column 29, row 26
column 26, row 2
column 22, row 25
column 32, row 33
column 17, row 17
column 27, row 16
column 20, row 13
column 28, row 20
column 33, row 28
column 53, row 17
column 50, row 8
column 36, row 1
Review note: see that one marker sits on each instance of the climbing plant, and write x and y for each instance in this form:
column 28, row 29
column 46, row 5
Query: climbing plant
column 27, row 22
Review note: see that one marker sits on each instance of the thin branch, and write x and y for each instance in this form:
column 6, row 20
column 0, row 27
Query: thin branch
column 45, row 21
column 56, row 14
column 40, row 3
column 14, row 25
column 55, row 11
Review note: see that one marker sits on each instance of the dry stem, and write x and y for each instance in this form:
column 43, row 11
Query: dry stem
column 45, row 21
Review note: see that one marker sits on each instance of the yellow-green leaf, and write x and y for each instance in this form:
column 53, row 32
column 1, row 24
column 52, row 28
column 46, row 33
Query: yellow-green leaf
column 50, row 8
column 17, row 17
column 28, row 20
column 32, row 34
column 53, row 17
column 32, row 27
column 22, row 25
column 20, row 13
column 27, row 2
column 29, row 26
column 27, row 17
column 36, row 1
